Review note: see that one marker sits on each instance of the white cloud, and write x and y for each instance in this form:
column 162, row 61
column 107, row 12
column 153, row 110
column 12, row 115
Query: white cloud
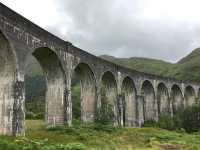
column 164, row 29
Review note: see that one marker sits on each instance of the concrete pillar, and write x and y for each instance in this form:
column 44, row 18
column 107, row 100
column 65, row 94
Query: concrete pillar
column 67, row 102
column 98, row 99
column 121, row 111
column 156, row 117
column 171, row 106
column 88, row 101
column 18, row 125
column 140, row 110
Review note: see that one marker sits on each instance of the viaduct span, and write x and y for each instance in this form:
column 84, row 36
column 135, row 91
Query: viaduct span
column 134, row 96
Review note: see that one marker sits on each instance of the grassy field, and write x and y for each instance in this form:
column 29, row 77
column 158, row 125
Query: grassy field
column 115, row 139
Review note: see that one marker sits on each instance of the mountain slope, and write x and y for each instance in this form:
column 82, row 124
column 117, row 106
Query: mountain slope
column 187, row 68
column 146, row 65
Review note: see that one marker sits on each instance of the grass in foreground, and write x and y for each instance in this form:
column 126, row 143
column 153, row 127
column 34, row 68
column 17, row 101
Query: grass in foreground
column 92, row 138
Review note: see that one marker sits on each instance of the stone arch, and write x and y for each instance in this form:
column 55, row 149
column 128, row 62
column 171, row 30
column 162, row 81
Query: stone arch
column 176, row 98
column 189, row 96
column 55, row 83
column 8, row 68
column 150, row 106
column 163, row 99
column 87, row 79
column 129, row 99
column 109, row 93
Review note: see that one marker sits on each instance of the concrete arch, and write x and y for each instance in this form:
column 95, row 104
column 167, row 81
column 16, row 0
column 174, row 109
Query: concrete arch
column 150, row 106
column 88, row 92
column 163, row 99
column 109, row 93
column 140, row 85
column 8, row 75
column 108, row 71
column 176, row 98
column 55, row 80
column 129, row 98
column 190, row 98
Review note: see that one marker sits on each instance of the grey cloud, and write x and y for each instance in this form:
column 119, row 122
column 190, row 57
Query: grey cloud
column 116, row 27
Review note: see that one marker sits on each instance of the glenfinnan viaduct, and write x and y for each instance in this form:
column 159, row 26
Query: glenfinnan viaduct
column 134, row 96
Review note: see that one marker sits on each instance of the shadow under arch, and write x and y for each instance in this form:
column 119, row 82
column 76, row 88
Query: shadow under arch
column 55, row 85
column 8, row 79
column 150, row 106
column 163, row 100
column 109, row 96
column 83, row 95
column 129, row 99
column 176, row 99
column 190, row 98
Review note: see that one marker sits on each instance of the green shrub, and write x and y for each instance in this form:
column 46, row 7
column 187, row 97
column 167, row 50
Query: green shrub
column 166, row 122
column 30, row 115
column 150, row 123
column 4, row 145
column 191, row 118
column 105, row 128
column 33, row 116
column 105, row 114
column 25, row 144
column 184, row 120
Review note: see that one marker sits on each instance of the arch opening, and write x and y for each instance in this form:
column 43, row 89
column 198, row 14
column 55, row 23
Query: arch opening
column 129, row 99
column 150, row 106
column 7, row 80
column 177, row 99
column 189, row 96
column 35, row 89
column 163, row 100
column 83, row 94
column 53, row 90
column 109, row 97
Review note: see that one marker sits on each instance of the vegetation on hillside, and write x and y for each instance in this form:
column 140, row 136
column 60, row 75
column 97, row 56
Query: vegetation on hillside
column 187, row 68
column 146, row 65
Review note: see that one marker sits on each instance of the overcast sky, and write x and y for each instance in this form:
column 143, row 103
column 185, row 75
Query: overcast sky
column 162, row 29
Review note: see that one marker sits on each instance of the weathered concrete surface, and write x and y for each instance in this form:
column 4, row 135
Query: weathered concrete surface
column 55, row 78
column 150, row 107
column 134, row 99
column 109, row 94
column 140, row 111
column 189, row 96
column 163, row 100
column 129, row 96
column 88, row 92
column 177, row 99
column 7, row 81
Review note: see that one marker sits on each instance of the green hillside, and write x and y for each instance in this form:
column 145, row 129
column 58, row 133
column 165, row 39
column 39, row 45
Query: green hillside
column 146, row 65
column 187, row 68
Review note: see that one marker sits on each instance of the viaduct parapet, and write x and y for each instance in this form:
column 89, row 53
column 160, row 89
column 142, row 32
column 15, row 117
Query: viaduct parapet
column 134, row 96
